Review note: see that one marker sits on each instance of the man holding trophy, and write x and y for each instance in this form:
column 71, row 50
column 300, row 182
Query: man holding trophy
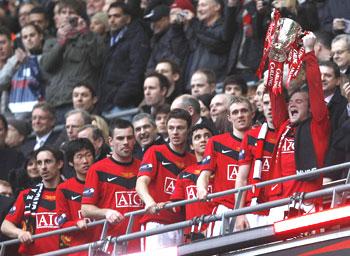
column 302, row 125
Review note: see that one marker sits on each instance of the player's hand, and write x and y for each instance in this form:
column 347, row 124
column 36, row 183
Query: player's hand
column 309, row 42
column 202, row 193
column 114, row 217
column 25, row 237
column 82, row 224
column 241, row 223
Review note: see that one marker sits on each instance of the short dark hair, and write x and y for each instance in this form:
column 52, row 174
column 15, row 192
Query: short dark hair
column 38, row 10
column 4, row 122
column 303, row 89
column 198, row 127
column 175, row 68
column 125, row 8
column 120, row 124
column 36, row 28
column 325, row 38
column 86, row 85
column 179, row 113
column 57, row 154
column 47, row 108
column 209, row 74
column 236, row 79
column 4, row 31
column 163, row 81
column 331, row 65
column 77, row 145
column 162, row 109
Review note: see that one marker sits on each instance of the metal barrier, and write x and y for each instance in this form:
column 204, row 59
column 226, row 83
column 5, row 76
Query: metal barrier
column 334, row 191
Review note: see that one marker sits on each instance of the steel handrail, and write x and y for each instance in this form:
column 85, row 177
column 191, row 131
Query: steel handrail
column 206, row 219
column 185, row 202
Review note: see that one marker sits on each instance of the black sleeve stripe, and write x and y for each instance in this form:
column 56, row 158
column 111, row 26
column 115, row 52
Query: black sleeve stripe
column 224, row 150
column 71, row 195
column 164, row 162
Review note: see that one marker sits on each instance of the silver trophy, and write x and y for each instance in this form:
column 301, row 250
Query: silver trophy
column 286, row 33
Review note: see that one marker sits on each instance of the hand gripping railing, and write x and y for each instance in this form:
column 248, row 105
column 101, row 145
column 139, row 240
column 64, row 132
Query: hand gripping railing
column 183, row 224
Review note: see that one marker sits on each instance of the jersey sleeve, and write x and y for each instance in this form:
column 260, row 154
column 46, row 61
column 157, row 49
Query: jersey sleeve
column 91, row 188
column 64, row 218
column 209, row 158
column 245, row 154
column 149, row 164
column 179, row 191
column 16, row 213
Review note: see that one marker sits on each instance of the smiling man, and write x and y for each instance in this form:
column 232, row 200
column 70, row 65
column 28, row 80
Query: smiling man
column 221, row 158
column 145, row 133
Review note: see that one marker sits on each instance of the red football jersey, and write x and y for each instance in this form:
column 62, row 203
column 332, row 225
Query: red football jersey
column 68, row 208
column 45, row 220
column 221, row 157
column 111, row 184
column 186, row 189
column 248, row 155
column 162, row 165
column 283, row 163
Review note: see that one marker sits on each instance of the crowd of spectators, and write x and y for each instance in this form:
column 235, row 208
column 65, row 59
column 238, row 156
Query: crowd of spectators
column 189, row 67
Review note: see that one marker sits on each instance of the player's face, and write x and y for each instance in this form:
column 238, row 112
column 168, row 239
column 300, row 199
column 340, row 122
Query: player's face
column 82, row 161
column 298, row 107
column 122, row 143
column 145, row 132
column 267, row 108
column 199, row 140
column 49, row 167
column 240, row 116
column 177, row 130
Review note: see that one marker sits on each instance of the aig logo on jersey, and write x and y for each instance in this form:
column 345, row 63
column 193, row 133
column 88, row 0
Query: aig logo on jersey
column 46, row 220
column 169, row 185
column 191, row 191
column 288, row 146
column 127, row 199
column 232, row 171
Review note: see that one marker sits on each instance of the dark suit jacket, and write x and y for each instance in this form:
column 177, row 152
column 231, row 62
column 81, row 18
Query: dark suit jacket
column 28, row 146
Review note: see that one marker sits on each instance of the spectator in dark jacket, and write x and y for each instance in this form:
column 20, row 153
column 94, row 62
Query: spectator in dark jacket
column 169, row 40
column 120, row 85
column 210, row 35
column 76, row 55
